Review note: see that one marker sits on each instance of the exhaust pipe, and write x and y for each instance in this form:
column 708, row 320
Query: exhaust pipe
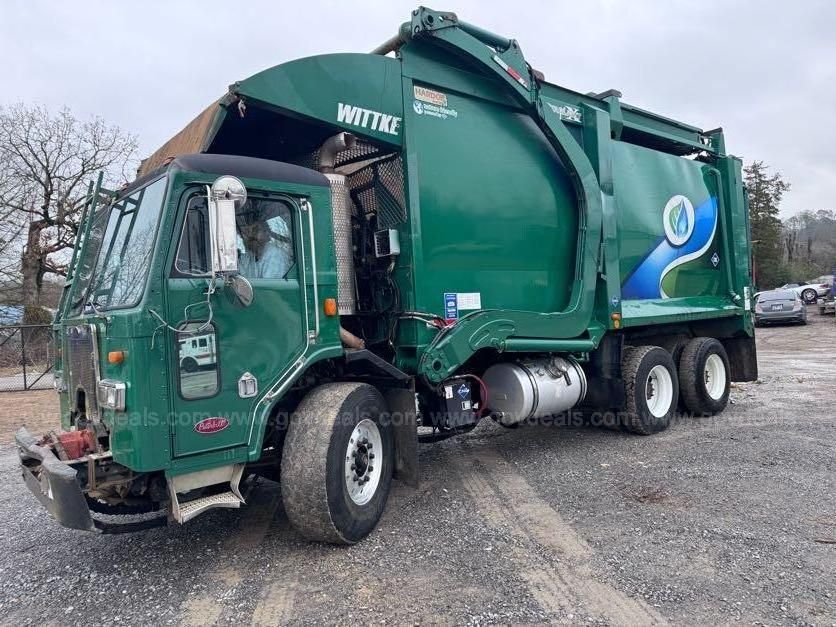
column 331, row 148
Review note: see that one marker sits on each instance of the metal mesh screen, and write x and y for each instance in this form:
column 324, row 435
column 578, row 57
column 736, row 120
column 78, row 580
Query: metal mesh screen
column 82, row 359
column 378, row 188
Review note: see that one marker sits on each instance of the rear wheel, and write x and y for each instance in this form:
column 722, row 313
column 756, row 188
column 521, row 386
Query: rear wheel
column 337, row 463
column 704, row 376
column 809, row 295
column 650, row 388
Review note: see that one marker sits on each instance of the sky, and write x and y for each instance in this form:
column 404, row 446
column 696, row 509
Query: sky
column 763, row 70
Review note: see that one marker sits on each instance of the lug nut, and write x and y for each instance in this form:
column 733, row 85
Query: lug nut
column 353, row 467
column 371, row 455
column 371, row 468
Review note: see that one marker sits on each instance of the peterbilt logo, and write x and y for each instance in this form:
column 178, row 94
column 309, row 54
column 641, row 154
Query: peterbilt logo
column 366, row 118
column 211, row 425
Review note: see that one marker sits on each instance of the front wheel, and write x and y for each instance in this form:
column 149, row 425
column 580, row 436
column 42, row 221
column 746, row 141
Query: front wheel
column 337, row 463
column 809, row 296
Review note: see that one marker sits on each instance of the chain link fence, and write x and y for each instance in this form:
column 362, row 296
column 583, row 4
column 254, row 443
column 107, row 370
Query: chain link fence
column 25, row 357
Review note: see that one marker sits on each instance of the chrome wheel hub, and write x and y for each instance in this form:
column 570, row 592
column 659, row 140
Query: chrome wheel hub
column 363, row 462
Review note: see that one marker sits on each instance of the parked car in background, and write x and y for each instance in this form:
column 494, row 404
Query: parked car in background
column 827, row 303
column 812, row 290
column 779, row 306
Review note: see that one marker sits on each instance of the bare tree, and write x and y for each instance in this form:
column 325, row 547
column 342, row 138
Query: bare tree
column 46, row 161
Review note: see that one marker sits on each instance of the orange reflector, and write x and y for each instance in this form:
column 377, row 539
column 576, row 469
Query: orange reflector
column 615, row 315
column 616, row 324
column 115, row 357
column 330, row 306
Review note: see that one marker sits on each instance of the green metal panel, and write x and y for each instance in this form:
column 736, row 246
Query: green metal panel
column 492, row 212
column 656, row 262
column 358, row 92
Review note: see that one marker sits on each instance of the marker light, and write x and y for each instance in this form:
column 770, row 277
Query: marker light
column 115, row 357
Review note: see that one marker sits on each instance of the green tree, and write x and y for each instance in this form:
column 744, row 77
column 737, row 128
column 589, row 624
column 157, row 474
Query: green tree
column 765, row 192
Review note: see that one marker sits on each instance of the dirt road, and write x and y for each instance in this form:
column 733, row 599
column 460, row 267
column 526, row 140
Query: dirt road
column 726, row 520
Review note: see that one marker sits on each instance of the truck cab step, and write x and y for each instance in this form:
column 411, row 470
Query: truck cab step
column 188, row 510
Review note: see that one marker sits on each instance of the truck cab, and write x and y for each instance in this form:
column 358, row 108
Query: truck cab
column 160, row 362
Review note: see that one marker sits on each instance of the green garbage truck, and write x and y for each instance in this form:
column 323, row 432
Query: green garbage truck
column 348, row 254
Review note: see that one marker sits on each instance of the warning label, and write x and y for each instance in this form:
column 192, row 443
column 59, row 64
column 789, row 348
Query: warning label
column 454, row 302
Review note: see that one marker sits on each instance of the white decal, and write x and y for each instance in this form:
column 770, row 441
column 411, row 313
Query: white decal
column 567, row 113
column 366, row 118
column 469, row 300
column 434, row 111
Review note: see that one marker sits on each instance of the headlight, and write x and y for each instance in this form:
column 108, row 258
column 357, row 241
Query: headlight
column 111, row 394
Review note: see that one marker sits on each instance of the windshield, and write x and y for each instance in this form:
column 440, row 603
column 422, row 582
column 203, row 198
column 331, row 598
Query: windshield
column 115, row 264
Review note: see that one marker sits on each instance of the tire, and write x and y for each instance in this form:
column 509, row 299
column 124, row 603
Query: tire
column 651, row 389
column 704, row 376
column 189, row 364
column 674, row 344
column 325, row 499
column 809, row 295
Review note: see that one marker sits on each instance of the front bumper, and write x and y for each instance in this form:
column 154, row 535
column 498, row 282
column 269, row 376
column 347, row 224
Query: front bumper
column 54, row 483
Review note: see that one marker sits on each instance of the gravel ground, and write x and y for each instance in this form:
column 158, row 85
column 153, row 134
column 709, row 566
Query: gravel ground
column 727, row 520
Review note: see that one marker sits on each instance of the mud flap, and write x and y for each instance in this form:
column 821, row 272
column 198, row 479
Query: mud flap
column 743, row 358
column 403, row 417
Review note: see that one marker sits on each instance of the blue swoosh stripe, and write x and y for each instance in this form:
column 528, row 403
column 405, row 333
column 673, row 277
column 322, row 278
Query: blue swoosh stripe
column 646, row 280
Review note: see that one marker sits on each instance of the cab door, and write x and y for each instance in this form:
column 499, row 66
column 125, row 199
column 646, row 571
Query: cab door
column 219, row 343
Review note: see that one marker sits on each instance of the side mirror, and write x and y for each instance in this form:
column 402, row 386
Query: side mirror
column 239, row 290
column 225, row 196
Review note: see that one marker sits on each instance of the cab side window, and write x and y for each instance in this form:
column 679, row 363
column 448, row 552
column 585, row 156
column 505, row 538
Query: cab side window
column 265, row 240
column 265, row 243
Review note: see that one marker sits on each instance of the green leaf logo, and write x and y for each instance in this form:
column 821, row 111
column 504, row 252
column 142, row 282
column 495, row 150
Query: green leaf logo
column 678, row 220
column 678, row 216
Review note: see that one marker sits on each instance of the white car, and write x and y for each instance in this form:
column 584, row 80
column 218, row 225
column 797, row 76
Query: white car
column 813, row 289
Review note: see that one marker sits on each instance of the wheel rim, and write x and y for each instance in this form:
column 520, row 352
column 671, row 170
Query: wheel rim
column 363, row 462
column 809, row 295
column 715, row 377
column 659, row 391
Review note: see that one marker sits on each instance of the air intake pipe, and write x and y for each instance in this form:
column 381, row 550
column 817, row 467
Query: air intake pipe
column 341, row 210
